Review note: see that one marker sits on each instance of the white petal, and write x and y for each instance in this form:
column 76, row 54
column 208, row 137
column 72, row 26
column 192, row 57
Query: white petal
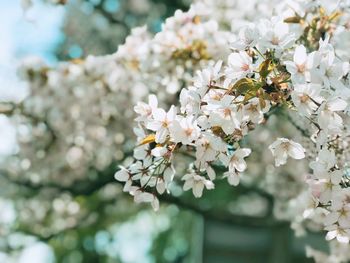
column 296, row 151
column 233, row 178
column 331, row 218
column 343, row 239
column 209, row 185
column 155, row 203
column 143, row 197
column 169, row 174
column 159, row 151
column 241, row 165
column 337, row 104
column 198, row 189
column 243, row 152
column 160, row 186
column 188, row 185
column 336, row 177
column 127, row 186
column 281, row 159
column 300, row 55
column 331, row 235
column 152, row 101
column 122, row 175
column 211, row 173
column 161, row 135
column 159, row 114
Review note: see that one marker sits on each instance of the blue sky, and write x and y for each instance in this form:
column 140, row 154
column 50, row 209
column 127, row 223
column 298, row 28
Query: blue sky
column 38, row 34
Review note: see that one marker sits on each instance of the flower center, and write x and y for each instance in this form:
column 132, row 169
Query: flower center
column 188, row 131
column 275, row 41
column 301, row 68
column 245, row 67
column 227, row 112
column 165, row 124
column 285, row 145
column 253, row 108
column 304, row 98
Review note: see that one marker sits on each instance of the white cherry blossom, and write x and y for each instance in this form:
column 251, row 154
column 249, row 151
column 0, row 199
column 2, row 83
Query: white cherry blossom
column 275, row 35
column 161, row 122
column 325, row 160
column 282, row 148
column 307, row 98
column 184, row 130
column 239, row 65
column 236, row 162
column 207, row 77
column 225, row 114
column 144, row 197
column 196, row 183
column 145, row 110
column 328, row 118
column 254, row 111
column 247, row 37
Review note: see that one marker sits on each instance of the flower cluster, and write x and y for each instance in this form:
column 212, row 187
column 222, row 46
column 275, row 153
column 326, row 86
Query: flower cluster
column 226, row 84
column 286, row 63
column 87, row 124
column 75, row 124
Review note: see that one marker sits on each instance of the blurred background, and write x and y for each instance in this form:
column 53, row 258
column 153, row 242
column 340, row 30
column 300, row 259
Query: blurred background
column 94, row 221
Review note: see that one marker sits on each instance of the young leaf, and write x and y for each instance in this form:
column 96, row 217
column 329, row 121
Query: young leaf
column 148, row 139
column 243, row 86
column 265, row 68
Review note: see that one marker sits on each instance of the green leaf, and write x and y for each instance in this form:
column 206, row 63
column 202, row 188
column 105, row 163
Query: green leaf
column 265, row 68
column 243, row 86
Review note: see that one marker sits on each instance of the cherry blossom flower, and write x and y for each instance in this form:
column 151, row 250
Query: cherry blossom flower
column 340, row 215
column 144, row 197
column 239, row 65
column 282, row 148
column 141, row 171
column 207, row 77
column 224, row 114
column 331, row 70
column 325, row 160
column 196, row 183
column 235, row 162
column 254, row 111
column 161, row 122
column 184, row 130
column 306, row 97
column 145, row 110
column 208, row 147
column 247, row 37
column 330, row 186
column 303, row 66
column 275, row 35
column 233, row 177
column 328, row 119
